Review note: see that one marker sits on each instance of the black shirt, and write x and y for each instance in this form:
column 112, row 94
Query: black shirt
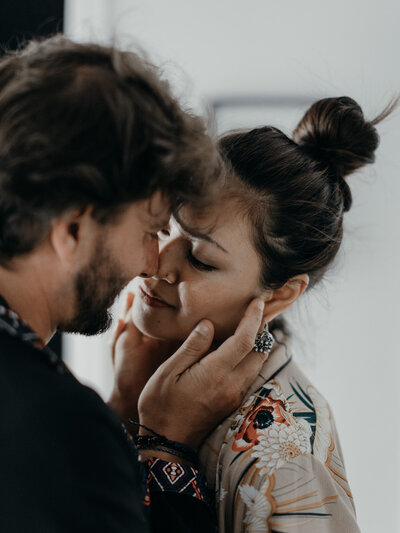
column 65, row 462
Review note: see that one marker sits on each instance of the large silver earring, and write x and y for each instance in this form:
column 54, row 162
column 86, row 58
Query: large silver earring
column 264, row 341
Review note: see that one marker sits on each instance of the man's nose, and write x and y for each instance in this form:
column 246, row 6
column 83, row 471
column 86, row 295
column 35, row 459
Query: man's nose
column 152, row 259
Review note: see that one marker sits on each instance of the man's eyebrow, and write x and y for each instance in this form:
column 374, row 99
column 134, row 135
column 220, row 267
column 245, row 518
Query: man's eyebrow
column 163, row 223
column 159, row 222
column 192, row 232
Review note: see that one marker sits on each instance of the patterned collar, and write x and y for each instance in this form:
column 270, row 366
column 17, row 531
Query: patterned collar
column 279, row 358
column 13, row 324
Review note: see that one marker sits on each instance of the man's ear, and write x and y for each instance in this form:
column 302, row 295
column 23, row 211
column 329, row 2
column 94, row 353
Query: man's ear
column 69, row 232
column 278, row 300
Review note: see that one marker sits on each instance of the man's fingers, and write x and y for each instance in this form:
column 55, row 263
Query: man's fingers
column 242, row 342
column 252, row 317
column 121, row 324
column 118, row 330
column 194, row 347
column 129, row 301
column 245, row 373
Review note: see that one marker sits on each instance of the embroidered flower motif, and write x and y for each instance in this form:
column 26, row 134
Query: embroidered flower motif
column 239, row 417
column 258, row 508
column 275, row 392
column 323, row 430
column 265, row 412
column 281, row 444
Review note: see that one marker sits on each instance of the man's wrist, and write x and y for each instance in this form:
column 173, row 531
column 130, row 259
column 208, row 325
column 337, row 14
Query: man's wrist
column 149, row 440
column 123, row 413
column 145, row 455
column 170, row 433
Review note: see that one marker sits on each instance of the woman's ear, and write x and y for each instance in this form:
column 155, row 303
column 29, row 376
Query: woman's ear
column 278, row 300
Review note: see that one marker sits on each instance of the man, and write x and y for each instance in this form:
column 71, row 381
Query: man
column 94, row 154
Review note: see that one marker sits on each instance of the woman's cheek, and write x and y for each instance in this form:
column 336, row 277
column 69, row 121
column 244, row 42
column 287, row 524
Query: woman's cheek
column 229, row 316
column 216, row 302
column 201, row 301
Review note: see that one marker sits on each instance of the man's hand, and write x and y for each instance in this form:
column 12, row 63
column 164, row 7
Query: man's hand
column 135, row 358
column 190, row 393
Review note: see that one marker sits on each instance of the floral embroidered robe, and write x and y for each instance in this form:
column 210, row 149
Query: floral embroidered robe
column 276, row 464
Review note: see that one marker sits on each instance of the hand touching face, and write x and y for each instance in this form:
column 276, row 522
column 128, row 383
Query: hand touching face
column 135, row 358
column 165, row 391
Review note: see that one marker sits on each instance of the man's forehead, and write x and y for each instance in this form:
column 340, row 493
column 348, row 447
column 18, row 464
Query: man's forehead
column 159, row 209
column 159, row 221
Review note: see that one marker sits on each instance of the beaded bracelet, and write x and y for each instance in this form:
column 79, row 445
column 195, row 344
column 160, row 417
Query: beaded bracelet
column 162, row 443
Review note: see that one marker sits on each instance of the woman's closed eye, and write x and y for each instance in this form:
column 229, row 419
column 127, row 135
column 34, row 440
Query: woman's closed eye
column 165, row 233
column 199, row 264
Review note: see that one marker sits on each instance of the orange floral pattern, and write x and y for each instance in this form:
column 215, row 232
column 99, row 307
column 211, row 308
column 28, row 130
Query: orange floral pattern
column 262, row 414
column 275, row 464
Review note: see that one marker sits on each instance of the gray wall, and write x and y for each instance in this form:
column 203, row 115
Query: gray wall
column 347, row 329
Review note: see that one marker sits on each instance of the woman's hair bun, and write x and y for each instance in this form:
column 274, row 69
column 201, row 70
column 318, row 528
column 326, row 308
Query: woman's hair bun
column 334, row 132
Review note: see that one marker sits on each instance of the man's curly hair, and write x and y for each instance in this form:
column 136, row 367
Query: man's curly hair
column 84, row 124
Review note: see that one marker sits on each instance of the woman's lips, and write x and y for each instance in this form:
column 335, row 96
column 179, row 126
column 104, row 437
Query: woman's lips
column 151, row 300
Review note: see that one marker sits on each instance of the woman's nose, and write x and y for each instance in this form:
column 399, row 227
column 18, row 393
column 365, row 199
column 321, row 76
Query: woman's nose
column 167, row 264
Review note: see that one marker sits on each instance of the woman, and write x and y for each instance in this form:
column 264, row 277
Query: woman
column 276, row 463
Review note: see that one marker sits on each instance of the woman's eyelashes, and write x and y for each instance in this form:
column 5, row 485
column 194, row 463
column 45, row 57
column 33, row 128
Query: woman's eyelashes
column 196, row 263
column 199, row 264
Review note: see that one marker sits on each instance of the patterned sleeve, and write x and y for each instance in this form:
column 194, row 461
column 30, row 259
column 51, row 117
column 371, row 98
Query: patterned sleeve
column 281, row 469
column 177, row 498
column 164, row 476
column 301, row 496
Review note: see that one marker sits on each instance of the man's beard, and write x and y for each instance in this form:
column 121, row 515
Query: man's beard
column 96, row 285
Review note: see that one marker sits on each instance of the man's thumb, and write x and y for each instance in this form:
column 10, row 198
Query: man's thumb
column 195, row 346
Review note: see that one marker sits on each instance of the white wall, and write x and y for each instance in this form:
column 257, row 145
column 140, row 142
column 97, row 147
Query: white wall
column 349, row 326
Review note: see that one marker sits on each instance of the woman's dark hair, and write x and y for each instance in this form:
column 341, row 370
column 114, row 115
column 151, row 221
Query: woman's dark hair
column 294, row 190
column 84, row 124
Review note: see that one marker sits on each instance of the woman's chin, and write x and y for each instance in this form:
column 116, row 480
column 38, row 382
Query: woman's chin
column 152, row 328
column 164, row 328
column 147, row 330
column 158, row 331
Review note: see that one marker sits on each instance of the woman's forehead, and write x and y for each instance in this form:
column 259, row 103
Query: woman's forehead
column 223, row 221
column 208, row 219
